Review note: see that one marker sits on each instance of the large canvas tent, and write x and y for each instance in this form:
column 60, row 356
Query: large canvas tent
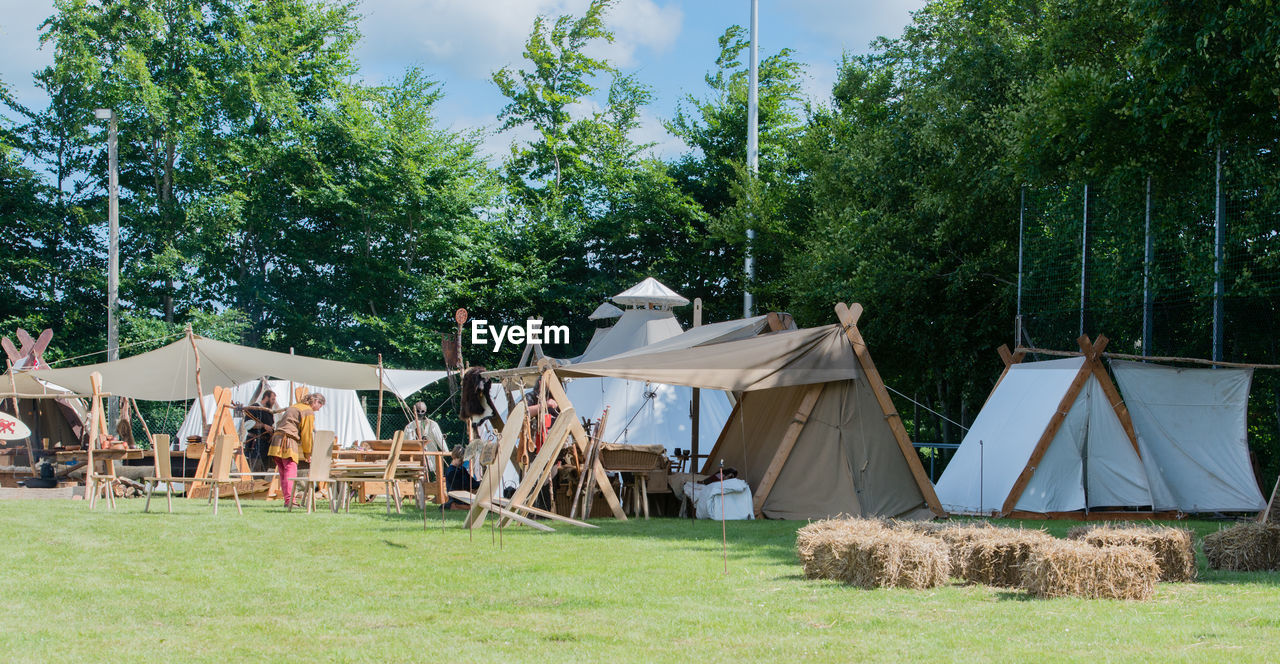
column 168, row 373
column 1193, row 431
column 1052, row 438
column 814, row 433
column 342, row 412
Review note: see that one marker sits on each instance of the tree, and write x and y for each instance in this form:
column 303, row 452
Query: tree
column 774, row 204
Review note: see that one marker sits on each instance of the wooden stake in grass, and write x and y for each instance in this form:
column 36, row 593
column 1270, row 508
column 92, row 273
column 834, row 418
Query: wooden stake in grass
column 724, row 532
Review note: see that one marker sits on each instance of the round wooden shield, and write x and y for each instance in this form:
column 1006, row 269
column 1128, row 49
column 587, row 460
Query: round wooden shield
column 460, row 316
column 12, row 428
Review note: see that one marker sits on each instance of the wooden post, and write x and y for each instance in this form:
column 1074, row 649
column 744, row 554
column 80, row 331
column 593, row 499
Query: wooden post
column 378, row 430
column 788, row 443
column 1113, row 395
column 552, row 445
column 204, row 416
column 584, row 446
column 1055, row 422
column 848, row 317
column 13, row 385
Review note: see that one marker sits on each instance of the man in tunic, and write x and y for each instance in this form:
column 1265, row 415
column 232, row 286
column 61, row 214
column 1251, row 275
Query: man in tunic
column 292, row 439
column 262, row 416
column 425, row 429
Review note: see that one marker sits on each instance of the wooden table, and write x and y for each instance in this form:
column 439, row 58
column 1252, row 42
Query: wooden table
column 350, row 457
column 80, row 458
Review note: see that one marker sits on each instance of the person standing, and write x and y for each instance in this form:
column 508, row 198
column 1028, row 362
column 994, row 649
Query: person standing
column 425, row 429
column 292, row 439
column 262, row 415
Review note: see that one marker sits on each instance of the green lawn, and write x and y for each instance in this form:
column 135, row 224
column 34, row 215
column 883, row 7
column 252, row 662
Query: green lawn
column 276, row 586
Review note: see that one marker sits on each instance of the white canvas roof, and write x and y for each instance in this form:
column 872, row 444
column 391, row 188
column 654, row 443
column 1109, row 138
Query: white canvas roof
column 1090, row 460
column 603, row 311
column 341, row 413
column 636, row 328
column 650, row 291
column 168, row 373
column 1192, row 429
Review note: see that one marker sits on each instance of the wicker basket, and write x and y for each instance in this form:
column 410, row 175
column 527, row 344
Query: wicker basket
column 631, row 458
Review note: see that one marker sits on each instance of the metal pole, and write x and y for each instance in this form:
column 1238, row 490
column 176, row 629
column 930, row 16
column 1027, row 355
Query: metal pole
column 1084, row 261
column 113, row 256
column 1219, row 244
column 753, row 151
column 1148, row 304
column 1017, row 320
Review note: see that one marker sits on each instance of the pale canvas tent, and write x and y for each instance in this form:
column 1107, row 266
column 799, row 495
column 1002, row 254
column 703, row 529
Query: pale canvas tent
column 168, row 373
column 1193, row 432
column 342, row 412
column 1022, row 455
column 814, row 434
column 60, row 421
column 644, row 412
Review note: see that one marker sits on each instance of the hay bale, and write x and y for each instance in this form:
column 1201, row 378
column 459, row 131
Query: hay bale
column 816, row 545
column 957, row 536
column 1174, row 548
column 1244, row 547
column 894, row 559
column 996, row 557
column 1064, row 568
column 868, row 553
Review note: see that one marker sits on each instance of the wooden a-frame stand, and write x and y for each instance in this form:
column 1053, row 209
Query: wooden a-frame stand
column 223, row 424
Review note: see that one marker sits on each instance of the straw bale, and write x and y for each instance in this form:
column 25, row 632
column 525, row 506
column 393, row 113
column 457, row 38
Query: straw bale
column 870, row 554
column 1174, row 548
column 895, row 559
column 1062, row 568
column 1245, row 547
column 817, row 542
column 957, row 536
column 996, row 557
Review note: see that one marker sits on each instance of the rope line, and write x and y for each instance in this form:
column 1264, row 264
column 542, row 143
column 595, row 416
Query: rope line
column 962, row 427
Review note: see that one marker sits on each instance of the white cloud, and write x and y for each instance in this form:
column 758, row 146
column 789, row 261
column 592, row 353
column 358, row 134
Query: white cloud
column 853, row 24
column 20, row 52
column 474, row 38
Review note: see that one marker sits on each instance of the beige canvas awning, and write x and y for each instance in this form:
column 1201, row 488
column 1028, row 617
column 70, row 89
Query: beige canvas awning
column 168, row 373
column 779, row 359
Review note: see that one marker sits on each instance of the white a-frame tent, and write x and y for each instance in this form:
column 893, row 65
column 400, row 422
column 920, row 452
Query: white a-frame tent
column 1053, row 440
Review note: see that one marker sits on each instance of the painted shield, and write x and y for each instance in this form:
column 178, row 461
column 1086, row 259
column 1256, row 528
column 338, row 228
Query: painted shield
column 12, row 428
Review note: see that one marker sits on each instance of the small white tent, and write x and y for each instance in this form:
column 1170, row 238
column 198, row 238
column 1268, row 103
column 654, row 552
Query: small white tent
column 341, row 413
column 1193, row 431
column 1050, row 439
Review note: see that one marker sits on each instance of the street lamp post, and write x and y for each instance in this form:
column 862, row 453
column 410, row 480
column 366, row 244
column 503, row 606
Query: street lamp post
column 113, row 255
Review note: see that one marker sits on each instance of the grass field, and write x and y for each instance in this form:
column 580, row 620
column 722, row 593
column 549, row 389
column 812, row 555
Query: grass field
column 275, row 586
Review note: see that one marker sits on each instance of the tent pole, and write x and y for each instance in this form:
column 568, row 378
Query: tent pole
column 204, row 416
column 695, row 408
column 378, row 430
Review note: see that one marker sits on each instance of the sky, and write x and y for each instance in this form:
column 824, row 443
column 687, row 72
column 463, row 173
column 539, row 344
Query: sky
column 668, row 44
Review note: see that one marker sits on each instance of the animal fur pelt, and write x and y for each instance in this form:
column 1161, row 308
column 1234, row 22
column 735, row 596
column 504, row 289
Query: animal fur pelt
column 477, row 406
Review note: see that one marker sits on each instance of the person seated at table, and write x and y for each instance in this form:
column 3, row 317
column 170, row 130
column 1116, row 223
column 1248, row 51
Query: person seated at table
column 457, row 477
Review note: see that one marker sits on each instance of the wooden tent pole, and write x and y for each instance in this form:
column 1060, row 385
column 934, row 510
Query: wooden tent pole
column 378, row 430
column 1113, row 395
column 13, row 385
column 1055, row 423
column 204, row 416
column 145, row 429
column 848, row 317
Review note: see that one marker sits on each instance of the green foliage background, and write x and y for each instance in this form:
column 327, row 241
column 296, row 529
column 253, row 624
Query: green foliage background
column 269, row 198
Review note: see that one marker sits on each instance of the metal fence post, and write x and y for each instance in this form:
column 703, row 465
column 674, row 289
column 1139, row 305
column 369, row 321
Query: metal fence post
column 1148, row 304
column 1219, row 242
column 1084, row 262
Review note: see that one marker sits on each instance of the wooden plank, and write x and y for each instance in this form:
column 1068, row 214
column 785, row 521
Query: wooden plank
column 543, row 513
column 508, row 514
column 1096, row 516
column 788, row 443
column 533, row 474
column 1267, row 514
column 584, row 444
column 1113, row 395
column 506, row 443
column 1051, row 429
column 848, row 317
